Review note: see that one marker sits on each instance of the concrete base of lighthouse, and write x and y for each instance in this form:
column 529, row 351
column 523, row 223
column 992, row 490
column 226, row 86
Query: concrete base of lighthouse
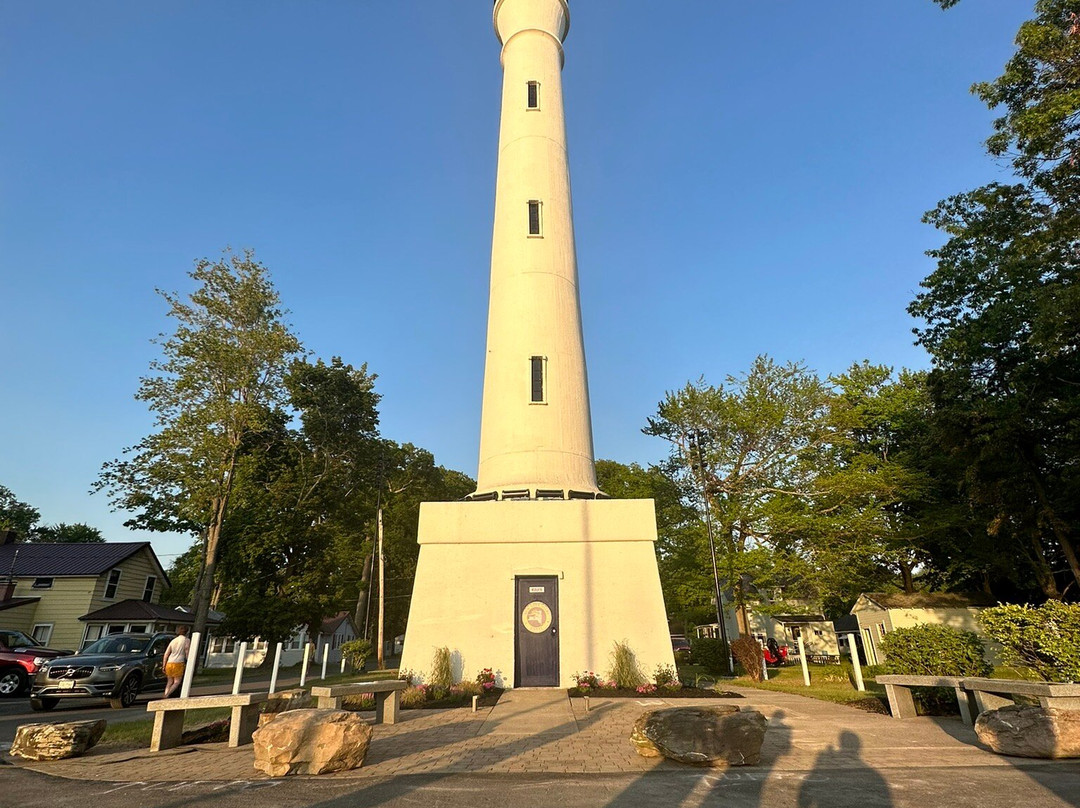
column 479, row 562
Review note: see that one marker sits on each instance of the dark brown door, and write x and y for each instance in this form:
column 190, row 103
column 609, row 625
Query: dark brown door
column 536, row 606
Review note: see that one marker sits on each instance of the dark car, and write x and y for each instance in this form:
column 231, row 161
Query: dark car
column 20, row 658
column 117, row 667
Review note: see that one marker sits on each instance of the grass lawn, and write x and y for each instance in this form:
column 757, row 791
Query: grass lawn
column 136, row 734
column 827, row 682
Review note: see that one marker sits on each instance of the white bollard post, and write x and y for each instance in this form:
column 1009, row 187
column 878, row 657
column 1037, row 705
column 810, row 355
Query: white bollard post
column 240, row 656
column 325, row 658
column 277, row 664
column 303, row 668
column 855, row 661
column 764, row 666
column 192, row 660
column 802, row 660
column 343, row 663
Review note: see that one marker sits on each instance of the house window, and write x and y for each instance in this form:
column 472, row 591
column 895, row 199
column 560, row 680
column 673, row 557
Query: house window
column 137, row 628
column 881, row 631
column 42, row 583
column 42, row 632
column 93, row 634
column 113, row 583
column 534, row 95
column 116, row 629
column 534, row 217
column 538, row 379
column 148, row 590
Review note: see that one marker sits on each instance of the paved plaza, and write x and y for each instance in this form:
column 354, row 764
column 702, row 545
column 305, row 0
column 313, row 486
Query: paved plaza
column 815, row 752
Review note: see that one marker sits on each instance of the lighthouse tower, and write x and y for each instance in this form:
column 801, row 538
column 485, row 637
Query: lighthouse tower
column 538, row 574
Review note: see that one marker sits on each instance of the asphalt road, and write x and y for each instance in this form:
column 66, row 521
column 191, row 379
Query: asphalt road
column 15, row 711
column 963, row 787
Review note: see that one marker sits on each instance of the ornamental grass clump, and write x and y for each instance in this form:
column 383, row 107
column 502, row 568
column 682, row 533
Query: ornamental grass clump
column 1044, row 638
column 442, row 674
column 665, row 678
column 747, row 651
column 930, row 650
column 624, row 668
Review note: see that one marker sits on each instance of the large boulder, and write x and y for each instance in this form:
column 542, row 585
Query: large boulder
column 703, row 736
column 1033, row 732
column 311, row 742
column 56, row 741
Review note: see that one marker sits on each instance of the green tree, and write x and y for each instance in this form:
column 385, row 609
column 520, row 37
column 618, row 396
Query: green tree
column 64, row 533
column 748, row 441
column 218, row 384
column 16, row 515
column 1002, row 310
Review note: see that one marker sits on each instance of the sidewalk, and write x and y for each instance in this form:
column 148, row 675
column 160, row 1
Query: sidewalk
column 546, row 732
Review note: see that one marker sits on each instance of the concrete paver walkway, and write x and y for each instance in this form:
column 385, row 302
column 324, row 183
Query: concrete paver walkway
column 546, row 732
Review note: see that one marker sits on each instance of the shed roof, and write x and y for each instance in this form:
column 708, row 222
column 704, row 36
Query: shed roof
column 69, row 558
column 128, row 610
column 923, row 600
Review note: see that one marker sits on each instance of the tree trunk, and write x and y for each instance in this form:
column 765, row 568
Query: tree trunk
column 1059, row 528
column 907, row 577
column 219, row 507
column 360, row 615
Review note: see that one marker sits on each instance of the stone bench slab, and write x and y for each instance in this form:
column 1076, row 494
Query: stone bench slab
column 206, row 702
column 990, row 694
column 902, row 705
column 919, row 681
column 387, row 694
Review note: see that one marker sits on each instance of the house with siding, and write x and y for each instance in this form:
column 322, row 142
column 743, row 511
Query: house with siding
column 879, row 613
column 334, row 631
column 46, row 589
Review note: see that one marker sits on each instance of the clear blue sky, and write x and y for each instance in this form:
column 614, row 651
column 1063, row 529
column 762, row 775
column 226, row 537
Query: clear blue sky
column 748, row 177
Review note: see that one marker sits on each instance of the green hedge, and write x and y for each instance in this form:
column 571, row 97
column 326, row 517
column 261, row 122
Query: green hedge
column 1044, row 638
column 930, row 650
column 711, row 654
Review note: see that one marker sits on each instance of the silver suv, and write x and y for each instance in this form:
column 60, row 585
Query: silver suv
column 117, row 667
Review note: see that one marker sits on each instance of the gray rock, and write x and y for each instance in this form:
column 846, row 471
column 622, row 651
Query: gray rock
column 56, row 741
column 311, row 742
column 703, row 736
column 1032, row 732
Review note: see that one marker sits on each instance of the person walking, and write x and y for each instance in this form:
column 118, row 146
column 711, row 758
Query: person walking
column 175, row 661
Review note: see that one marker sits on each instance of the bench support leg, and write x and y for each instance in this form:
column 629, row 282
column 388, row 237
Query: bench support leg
column 245, row 720
column 969, row 709
column 168, row 730
column 901, row 705
column 387, row 706
column 328, row 702
column 990, row 701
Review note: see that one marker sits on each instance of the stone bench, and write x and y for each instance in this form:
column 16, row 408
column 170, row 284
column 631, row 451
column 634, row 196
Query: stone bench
column 169, row 717
column 387, row 697
column 989, row 694
column 902, row 705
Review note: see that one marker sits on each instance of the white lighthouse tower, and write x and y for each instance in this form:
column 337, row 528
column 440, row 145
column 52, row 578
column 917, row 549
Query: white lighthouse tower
column 539, row 574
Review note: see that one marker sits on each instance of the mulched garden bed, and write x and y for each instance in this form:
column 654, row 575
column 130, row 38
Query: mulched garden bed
column 628, row 693
column 488, row 699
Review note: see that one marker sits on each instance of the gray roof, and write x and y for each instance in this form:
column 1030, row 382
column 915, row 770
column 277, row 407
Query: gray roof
column 925, row 600
column 128, row 610
column 68, row 559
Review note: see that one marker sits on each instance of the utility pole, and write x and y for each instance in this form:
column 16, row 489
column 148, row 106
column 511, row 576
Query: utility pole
column 695, row 443
column 382, row 589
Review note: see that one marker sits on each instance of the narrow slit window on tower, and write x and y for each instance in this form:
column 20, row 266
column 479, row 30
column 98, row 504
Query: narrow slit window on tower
column 538, row 368
column 534, row 95
column 534, row 217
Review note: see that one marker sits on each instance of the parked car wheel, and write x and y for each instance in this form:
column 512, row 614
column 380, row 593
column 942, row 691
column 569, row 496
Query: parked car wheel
column 127, row 694
column 41, row 705
column 12, row 682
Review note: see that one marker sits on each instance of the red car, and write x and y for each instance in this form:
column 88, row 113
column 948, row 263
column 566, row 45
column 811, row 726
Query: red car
column 20, row 658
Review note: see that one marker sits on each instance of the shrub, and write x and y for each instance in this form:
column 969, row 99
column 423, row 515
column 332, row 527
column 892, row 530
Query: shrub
column 930, row 650
column 442, row 675
column 1044, row 638
column 356, row 653
column 747, row 651
column 665, row 678
column 624, row 668
column 410, row 676
column 468, row 689
column 486, row 679
column 711, row 654
column 414, row 696
column 588, row 681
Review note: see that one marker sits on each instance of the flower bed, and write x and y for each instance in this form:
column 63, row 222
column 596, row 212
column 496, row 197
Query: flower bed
column 656, row 693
